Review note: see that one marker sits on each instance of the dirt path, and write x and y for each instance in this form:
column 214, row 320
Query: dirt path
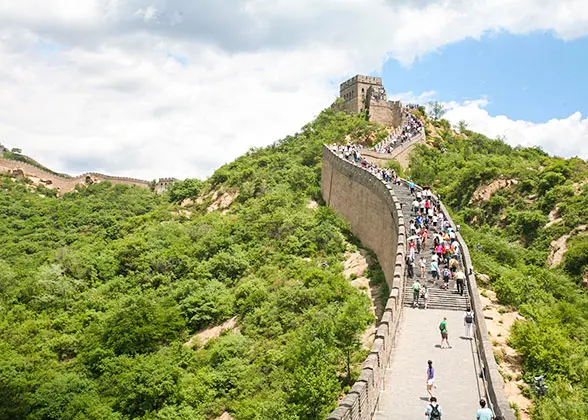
column 202, row 337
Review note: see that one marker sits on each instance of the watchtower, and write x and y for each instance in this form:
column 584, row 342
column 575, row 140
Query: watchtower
column 366, row 93
column 354, row 92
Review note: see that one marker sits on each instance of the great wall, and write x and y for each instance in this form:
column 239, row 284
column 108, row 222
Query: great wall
column 375, row 215
column 64, row 183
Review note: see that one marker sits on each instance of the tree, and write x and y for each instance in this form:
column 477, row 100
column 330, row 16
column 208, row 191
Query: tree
column 436, row 110
column 350, row 322
column 189, row 188
column 140, row 324
column 16, row 150
column 462, row 126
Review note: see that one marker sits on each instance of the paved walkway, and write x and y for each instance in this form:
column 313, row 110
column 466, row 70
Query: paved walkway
column 405, row 395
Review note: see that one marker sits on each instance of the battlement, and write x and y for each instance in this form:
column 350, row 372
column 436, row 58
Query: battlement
column 359, row 78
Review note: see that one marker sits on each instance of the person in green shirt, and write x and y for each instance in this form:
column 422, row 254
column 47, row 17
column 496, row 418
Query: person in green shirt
column 416, row 290
column 444, row 333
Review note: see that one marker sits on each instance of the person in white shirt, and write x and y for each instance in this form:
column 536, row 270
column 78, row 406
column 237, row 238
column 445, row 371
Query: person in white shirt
column 468, row 322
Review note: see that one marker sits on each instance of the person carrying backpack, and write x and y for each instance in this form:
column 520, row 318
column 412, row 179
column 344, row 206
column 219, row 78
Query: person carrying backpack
column 468, row 322
column 446, row 275
column 444, row 333
column 433, row 411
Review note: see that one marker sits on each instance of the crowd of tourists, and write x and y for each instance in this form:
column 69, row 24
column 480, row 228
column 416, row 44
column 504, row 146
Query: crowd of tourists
column 352, row 153
column 411, row 127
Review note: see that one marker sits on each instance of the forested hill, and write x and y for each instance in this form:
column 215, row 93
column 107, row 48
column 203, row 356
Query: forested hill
column 524, row 215
column 104, row 290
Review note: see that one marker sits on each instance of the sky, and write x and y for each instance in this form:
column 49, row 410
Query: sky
column 158, row 88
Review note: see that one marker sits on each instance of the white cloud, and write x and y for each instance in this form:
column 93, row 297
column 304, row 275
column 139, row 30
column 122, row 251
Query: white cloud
column 566, row 137
column 411, row 98
column 177, row 87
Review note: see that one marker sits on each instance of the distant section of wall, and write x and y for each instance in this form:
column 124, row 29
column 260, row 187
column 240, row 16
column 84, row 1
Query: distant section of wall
column 375, row 217
column 63, row 183
column 399, row 153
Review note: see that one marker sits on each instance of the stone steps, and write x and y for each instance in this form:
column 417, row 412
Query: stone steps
column 438, row 298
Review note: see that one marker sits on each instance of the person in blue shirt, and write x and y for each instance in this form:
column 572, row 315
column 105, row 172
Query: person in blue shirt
column 484, row 413
column 433, row 411
column 430, row 377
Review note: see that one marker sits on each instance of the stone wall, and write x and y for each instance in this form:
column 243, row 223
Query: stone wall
column 63, row 183
column 375, row 217
column 385, row 113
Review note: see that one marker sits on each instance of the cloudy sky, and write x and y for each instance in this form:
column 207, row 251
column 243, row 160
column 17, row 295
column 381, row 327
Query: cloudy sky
column 152, row 88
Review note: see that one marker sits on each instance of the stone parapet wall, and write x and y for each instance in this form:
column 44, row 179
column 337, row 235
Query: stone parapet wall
column 375, row 217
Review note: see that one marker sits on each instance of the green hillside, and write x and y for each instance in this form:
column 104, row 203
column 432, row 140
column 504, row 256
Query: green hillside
column 535, row 199
column 102, row 288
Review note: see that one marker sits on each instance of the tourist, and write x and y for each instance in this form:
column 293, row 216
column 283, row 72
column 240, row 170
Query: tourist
column 434, row 269
column 460, row 280
column 416, row 291
column 468, row 322
column 446, row 275
column 423, row 264
column 409, row 267
column 430, row 378
column 484, row 413
column 433, row 411
column 444, row 333
column 425, row 296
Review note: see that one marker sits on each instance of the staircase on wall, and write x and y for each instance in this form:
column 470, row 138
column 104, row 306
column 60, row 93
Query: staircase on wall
column 439, row 298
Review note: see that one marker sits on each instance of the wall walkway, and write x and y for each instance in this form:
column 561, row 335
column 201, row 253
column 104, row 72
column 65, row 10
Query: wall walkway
column 402, row 150
column 375, row 216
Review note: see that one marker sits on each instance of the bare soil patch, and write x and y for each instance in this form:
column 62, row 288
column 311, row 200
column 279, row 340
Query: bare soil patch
column 202, row 337
column 312, row 205
column 356, row 265
column 559, row 247
column 499, row 321
column 485, row 192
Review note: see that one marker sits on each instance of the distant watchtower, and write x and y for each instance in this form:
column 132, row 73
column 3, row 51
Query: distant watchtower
column 354, row 92
column 366, row 93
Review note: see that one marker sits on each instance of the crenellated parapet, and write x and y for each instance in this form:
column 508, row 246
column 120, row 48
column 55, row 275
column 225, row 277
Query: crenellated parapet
column 375, row 217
